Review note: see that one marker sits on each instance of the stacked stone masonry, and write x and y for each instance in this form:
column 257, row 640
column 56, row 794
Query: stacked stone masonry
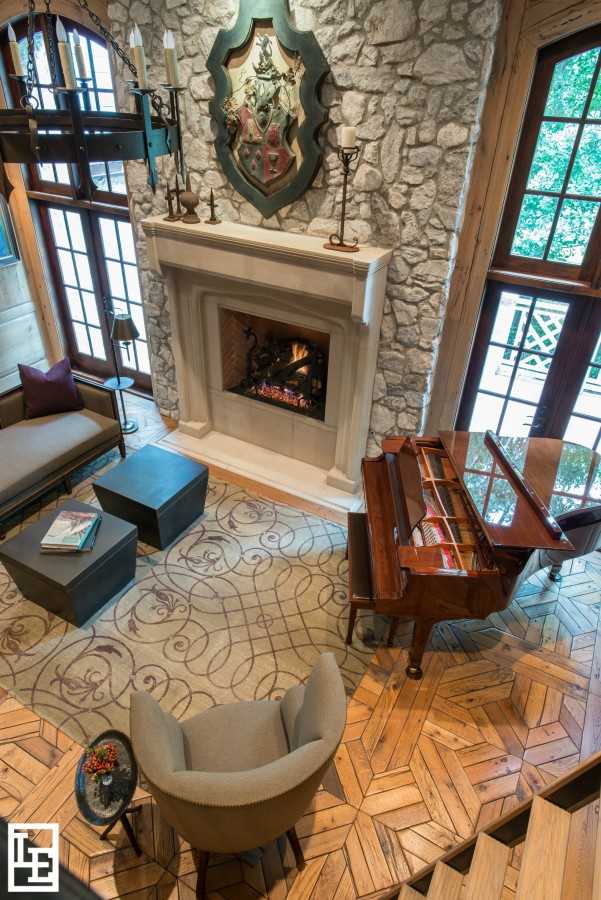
column 411, row 76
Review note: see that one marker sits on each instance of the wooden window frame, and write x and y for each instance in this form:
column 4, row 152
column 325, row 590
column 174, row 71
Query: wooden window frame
column 526, row 28
column 564, row 380
column 47, row 194
column 95, row 252
column 588, row 273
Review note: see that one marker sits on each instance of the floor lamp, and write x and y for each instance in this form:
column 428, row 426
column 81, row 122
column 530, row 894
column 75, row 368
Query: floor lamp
column 123, row 330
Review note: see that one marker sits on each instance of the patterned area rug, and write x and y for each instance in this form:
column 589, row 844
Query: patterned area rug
column 239, row 608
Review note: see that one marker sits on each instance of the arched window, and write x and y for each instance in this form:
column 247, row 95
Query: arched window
column 535, row 366
column 90, row 247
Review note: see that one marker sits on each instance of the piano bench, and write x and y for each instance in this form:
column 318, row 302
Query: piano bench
column 359, row 573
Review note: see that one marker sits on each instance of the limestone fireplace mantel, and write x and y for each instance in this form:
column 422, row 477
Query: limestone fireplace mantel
column 285, row 276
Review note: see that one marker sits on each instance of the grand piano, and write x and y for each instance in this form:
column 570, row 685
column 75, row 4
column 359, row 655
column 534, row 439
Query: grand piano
column 452, row 523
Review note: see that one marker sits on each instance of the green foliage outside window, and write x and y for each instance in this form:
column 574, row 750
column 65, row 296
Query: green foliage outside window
column 541, row 233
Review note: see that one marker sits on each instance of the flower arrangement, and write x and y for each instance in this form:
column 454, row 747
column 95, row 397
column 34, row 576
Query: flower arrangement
column 101, row 760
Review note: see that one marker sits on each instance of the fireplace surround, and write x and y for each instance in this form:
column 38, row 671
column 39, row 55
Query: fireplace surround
column 286, row 288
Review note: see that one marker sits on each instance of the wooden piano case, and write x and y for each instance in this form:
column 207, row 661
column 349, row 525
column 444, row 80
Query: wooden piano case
column 429, row 557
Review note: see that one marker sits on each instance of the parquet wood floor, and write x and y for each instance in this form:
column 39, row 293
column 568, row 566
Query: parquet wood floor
column 505, row 706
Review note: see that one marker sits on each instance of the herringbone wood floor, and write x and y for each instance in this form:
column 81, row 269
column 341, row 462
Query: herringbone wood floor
column 505, row 706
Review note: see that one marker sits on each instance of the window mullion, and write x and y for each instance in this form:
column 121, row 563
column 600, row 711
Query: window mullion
column 518, row 352
column 103, row 293
column 575, row 149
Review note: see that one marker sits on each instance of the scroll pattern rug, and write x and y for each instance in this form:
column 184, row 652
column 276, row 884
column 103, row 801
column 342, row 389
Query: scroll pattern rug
column 239, row 608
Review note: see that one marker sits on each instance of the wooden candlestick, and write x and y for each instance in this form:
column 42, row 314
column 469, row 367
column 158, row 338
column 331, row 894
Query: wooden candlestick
column 189, row 201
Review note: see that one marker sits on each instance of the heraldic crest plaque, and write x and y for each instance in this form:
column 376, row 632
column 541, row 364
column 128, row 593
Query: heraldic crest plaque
column 267, row 109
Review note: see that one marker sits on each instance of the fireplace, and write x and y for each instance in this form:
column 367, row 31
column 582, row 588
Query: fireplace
column 275, row 363
column 275, row 344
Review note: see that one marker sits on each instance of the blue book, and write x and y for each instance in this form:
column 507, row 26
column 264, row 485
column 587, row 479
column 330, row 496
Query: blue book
column 69, row 531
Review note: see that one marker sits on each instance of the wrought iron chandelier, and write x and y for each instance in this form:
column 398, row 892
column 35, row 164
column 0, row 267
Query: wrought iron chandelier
column 74, row 133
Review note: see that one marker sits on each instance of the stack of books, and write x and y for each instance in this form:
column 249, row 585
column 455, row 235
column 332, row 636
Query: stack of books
column 71, row 532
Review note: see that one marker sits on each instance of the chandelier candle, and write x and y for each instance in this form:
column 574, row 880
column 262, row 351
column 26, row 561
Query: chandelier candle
column 14, row 52
column 66, row 57
column 171, row 59
column 80, row 59
column 137, row 48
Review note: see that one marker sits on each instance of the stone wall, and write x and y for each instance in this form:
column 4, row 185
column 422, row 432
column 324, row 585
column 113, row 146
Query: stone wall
column 412, row 77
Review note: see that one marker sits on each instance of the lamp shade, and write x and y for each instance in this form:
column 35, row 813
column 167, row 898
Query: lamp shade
column 123, row 328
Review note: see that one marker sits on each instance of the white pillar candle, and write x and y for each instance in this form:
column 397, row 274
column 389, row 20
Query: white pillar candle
column 80, row 58
column 14, row 51
column 137, row 48
column 348, row 137
column 171, row 58
column 66, row 57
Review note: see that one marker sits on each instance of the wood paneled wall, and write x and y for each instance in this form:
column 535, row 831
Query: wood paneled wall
column 527, row 26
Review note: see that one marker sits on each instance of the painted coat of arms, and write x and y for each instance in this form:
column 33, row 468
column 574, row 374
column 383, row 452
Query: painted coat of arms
column 267, row 109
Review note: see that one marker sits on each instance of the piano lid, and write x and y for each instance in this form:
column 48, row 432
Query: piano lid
column 507, row 514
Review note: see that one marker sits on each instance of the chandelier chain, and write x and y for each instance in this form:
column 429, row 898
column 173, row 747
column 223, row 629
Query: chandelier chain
column 30, row 52
column 108, row 36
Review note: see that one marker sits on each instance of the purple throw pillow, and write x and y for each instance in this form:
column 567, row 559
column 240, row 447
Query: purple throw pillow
column 49, row 392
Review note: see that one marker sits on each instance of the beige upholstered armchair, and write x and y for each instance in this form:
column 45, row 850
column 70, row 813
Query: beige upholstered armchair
column 238, row 776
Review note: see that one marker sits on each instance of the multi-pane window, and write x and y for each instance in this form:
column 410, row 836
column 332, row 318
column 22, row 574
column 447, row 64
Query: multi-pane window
column 524, row 338
column 552, row 214
column 535, row 365
column 77, row 281
column 89, row 244
column 109, row 177
column 124, row 285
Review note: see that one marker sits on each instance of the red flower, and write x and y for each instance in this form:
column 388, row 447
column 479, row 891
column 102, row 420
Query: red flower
column 101, row 760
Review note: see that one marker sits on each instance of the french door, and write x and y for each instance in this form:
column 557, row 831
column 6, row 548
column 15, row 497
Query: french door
column 93, row 261
column 89, row 245
column 535, row 368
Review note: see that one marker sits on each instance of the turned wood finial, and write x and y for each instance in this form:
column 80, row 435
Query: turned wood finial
column 189, row 201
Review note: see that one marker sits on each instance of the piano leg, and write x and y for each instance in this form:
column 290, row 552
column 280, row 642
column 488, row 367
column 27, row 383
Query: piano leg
column 421, row 633
column 351, row 623
column 392, row 630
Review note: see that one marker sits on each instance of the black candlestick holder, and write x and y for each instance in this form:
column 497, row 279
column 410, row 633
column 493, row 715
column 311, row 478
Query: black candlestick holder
column 84, row 87
column 212, row 220
column 346, row 155
column 172, row 215
column 174, row 91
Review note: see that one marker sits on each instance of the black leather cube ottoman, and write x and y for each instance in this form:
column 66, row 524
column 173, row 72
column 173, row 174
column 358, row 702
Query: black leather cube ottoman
column 160, row 492
column 73, row 586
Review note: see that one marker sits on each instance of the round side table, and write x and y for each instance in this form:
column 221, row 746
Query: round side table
column 107, row 805
column 128, row 426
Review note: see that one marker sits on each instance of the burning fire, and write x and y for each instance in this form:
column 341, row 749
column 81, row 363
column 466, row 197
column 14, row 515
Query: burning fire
column 299, row 351
column 282, row 395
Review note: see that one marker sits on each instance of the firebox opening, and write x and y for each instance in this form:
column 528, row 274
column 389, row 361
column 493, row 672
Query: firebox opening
column 283, row 365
